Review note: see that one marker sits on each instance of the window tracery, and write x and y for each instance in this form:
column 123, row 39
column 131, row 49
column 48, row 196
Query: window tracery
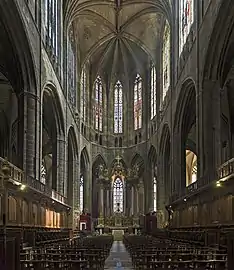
column 155, row 193
column 83, row 93
column 186, row 17
column 71, row 70
column 81, row 193
column 166, row 61
column 51, row 24
column 118, row 195
column 43, row 172
column 138, row 102
column 98, row 104
column 118, row 108
column 153, row 91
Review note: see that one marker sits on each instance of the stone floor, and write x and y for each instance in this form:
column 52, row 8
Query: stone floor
column 118, row 258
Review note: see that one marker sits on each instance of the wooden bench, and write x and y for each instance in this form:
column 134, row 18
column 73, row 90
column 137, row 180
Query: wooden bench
column 157, row 253
column 91, row 253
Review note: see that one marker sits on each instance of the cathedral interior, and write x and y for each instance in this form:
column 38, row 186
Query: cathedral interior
column 116, row 134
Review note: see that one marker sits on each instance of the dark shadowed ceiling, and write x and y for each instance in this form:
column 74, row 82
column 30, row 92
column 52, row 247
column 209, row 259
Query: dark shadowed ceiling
column 118, row 37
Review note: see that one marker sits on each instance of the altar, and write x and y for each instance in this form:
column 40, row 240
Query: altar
column 119, row 197
column 118, row 234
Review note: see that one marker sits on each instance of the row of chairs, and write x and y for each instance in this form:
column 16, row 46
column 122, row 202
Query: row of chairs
column 157, row 253
column 86, row 253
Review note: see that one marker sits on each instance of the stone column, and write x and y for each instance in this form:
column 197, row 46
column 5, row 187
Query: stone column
column 210, row 143
column 61, row 161
column 137, row 199
column 132, row 200
column 76, row 183
column 101, row 200
column 86, row 191
column 108, row 205
column 28, row 131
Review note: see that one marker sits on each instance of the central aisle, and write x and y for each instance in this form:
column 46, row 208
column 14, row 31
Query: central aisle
column 119, row 257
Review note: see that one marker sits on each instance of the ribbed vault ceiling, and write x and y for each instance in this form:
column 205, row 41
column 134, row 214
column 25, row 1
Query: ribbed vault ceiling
column 117, row 37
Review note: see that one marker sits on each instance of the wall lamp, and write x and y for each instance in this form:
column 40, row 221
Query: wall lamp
column 218, row 184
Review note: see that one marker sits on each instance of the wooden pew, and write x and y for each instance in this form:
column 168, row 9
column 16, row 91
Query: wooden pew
column 157, row 253
column 90, row 253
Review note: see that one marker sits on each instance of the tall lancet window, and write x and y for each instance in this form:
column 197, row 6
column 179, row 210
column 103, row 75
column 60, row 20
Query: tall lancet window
column 186, row 17
column 83, row 93
column 98, row 104
column 166, row 60
column 71, row 70
column 138, row 102
column 155, row 193
column 118, row 195
column 81, row 193
column 153, row 91
column 118, row 108
column 51, row 23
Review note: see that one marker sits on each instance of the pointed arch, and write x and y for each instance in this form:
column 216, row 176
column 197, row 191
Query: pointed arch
column 49, row 94
column 18, row 42
column 166, row 64
column 98, row 107
column 165, row 136
column 99, row 159
column 186, row 19
column 73, row 139
column 84, row 156
column 72, row 160
column 118, row 159
column 118, row 108
column 71, row 68
column 165, row 166
column 185, row 132
column 138, row 84
column 138, row 161
column 152, row 155
column 153, row 91
column 84, row 169
column 152, row 160
column 83, row 92
column 186, row 103
column 220, row 44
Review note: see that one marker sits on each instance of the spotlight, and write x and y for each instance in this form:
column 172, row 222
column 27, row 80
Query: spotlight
column 22, row 187
column 218, row 184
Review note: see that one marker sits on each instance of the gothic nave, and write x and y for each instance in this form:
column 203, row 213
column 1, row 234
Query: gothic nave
column 116, row 134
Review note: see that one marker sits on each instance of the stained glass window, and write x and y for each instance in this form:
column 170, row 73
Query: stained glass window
column 186, row 20
column 51, row 24
column 166, row 60
column 118, row 108
column 118, row 195
column 81, row 193
column 138, row 102
column 43, row 172
column 71, row 71
column 83, row 93
column 153, row 91
column 155, row 193
column 98, row 104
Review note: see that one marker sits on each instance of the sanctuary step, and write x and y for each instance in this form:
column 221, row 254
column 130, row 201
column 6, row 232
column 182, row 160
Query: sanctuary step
column 119, row 257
